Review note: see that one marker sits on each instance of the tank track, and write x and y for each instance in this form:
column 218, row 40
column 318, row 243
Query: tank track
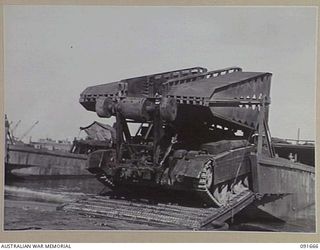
column 211, row 195
column 203, row 184
column 218, row 195
column 104, row 179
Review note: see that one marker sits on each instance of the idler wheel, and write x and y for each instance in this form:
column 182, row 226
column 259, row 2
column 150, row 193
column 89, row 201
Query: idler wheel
column 222, row 193
column 204, row 185
column 206, row 177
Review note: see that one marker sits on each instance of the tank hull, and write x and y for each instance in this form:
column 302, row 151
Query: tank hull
column 218, row 166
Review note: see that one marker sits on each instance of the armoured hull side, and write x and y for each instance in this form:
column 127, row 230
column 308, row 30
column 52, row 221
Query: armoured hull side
column 288, row 189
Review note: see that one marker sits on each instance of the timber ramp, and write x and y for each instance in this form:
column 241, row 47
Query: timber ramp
column 182, row 217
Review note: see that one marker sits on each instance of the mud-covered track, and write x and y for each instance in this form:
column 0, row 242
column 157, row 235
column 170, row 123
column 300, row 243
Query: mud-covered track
column 169, row 215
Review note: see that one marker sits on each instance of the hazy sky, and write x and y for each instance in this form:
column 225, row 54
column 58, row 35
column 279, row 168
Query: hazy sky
column 52, row 53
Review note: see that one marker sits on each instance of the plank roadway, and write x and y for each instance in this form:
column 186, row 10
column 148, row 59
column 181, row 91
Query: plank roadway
column 194, row 218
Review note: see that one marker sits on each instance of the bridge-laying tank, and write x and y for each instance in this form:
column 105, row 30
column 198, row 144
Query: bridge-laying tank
column 189, row 130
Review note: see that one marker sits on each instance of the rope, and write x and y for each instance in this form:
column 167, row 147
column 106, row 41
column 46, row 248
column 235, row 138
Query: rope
column 237, row 175
column 173, row 141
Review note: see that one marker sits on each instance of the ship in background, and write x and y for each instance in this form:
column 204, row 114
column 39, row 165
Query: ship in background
column 48, row 157
column 296, row 150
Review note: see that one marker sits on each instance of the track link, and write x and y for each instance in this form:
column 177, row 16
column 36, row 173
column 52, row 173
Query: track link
column 101, row 176
column 217, row 195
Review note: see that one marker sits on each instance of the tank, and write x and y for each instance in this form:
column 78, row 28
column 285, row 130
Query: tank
column 190, row 130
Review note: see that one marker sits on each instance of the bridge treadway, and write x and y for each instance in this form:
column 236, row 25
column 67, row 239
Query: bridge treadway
column 189, row 218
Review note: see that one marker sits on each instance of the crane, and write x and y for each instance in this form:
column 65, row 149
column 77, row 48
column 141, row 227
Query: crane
column 15, row 127
column 28, row 131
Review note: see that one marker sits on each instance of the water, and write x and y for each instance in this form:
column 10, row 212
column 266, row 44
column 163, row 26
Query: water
column 31, row 203
column 72, row 186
